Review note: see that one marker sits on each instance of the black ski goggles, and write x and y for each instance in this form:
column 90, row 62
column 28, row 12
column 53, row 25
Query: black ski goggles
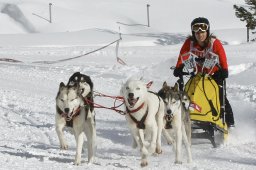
column 199, row 27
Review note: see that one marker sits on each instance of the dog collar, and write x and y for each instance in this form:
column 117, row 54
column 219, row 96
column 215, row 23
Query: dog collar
column 133, row 111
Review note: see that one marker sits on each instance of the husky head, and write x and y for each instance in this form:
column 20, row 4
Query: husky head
column 171, row 97
column 84, row 83
column 68, row 101
column 134, row 93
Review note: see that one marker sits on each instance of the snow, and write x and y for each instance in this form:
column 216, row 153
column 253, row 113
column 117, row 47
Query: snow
column 28, row 89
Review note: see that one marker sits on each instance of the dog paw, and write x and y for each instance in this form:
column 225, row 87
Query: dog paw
column 144, row 163
column 90, row 161
column 77, row 162
column 159, row 151
column 178, row 162
column 64, row 147
column 169, row 143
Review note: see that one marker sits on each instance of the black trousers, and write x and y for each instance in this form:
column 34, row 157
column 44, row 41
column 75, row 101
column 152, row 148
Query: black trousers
column 229, row 116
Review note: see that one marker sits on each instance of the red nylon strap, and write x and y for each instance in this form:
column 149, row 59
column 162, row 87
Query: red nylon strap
column 77, row 112
column 111, row 108
column 132, row 111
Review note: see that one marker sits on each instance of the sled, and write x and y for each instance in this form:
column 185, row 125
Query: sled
column 206, row 109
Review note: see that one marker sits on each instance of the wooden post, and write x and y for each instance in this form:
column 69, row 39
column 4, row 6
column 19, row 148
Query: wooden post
column 148, row 13
column 248, row 32
column 50, row 12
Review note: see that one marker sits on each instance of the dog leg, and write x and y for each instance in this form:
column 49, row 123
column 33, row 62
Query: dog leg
column 152, row 146
column 90, row 133
column 160, row 124
column 134, row 143
column 138, row 138
column 79, row 145
column 167, row 136
column 144, row 161
column 141, row 142
column 143, row 149
column 178, row 145
column 59, row 129
column 188, row 131
column 187, row 144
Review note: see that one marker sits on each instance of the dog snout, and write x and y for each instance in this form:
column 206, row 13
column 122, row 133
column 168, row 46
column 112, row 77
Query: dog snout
column 66, row 110
column 131, row 95
column 169, row 111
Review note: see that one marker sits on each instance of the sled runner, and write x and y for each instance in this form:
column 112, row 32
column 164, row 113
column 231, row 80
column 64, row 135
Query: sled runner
column 207, row 111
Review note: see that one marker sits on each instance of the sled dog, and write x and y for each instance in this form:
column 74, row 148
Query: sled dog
column 84, row 83
column 177, row 119
column 72, row 109
column 144, row 115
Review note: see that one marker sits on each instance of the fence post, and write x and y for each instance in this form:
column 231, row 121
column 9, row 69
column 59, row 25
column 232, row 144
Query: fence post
column 148, row 13
column 248, row 32
column 50, row 12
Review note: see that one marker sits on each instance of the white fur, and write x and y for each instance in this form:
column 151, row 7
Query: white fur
column 70, row 98
column 153, row 122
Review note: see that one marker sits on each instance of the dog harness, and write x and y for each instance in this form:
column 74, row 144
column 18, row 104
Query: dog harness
column 141, row 124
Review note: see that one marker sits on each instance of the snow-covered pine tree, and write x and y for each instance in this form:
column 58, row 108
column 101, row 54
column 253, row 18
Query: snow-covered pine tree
column 247, row 14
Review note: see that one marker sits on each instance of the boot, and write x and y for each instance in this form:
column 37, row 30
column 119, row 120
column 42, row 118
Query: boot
column 229, row 117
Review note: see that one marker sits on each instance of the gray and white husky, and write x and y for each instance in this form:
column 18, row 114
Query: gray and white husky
column 74, row 110
column 178, row 123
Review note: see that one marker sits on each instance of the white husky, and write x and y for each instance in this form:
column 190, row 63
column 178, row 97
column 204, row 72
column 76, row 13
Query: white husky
column 178, row 119
column 74, row 111
column 145, row 113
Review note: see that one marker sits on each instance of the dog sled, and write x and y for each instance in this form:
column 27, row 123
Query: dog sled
column 207, row 111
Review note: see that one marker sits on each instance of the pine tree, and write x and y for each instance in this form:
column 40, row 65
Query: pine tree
column 247, row 14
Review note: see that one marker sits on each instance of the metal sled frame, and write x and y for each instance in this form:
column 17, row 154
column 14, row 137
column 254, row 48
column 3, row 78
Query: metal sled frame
column 209, row 133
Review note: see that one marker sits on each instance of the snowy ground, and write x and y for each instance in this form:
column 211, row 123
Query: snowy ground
column 28, row 89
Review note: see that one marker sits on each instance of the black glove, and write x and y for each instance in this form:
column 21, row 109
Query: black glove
column 220, row 74
column 178, row 71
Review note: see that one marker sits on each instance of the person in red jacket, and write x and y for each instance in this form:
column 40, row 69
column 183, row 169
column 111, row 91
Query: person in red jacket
column 200, row 43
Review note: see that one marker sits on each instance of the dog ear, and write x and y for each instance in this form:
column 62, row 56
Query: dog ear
column 165, row 84
column 176, row 87
column 61, row 85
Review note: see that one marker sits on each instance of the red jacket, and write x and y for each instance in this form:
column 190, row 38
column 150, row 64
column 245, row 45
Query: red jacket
column 217, row 48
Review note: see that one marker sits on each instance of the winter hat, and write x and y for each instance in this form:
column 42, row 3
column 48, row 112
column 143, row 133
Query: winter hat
column 200, row 20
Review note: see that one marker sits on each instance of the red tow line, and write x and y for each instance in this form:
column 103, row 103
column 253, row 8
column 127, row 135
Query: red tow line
column 119, row 98
column 116, row 98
